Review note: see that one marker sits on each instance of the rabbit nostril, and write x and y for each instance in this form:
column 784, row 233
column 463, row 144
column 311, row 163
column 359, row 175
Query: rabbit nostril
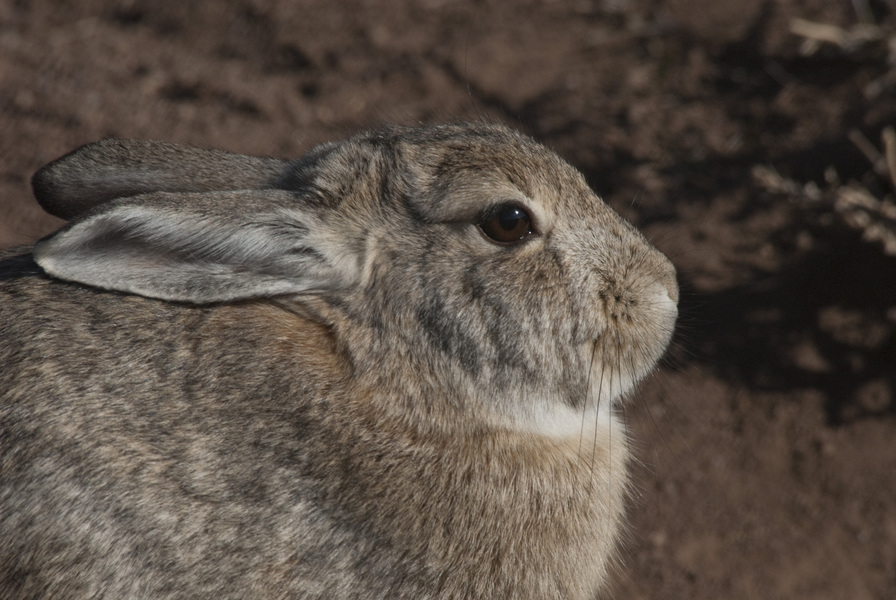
column 668, row 279
column 670, row 282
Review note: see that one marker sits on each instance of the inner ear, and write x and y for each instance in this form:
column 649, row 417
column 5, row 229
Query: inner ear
column 201, row 248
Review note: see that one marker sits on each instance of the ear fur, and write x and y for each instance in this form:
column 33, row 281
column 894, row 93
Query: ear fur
column 113, row 168
column 201, row 247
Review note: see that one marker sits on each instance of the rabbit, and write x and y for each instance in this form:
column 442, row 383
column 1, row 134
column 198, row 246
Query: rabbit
column 389, row 369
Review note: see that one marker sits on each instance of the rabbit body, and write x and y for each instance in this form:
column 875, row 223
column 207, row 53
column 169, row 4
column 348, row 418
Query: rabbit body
column 318, row 378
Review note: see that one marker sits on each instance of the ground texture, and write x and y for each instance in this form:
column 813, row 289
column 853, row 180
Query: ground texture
column 726, row 129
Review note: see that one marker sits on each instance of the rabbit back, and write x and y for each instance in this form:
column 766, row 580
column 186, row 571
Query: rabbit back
column 137, row 459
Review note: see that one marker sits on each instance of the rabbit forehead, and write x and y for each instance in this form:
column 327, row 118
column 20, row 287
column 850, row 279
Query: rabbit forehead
column 466, row 199
column 457, row 182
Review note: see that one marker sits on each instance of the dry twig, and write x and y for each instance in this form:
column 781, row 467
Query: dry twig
column 880, row 38
column 888, row 136
column 859, row 208
column 849, row 39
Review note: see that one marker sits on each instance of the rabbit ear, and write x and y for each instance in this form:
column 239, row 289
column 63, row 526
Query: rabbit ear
column 202, row 248
column 112, row 168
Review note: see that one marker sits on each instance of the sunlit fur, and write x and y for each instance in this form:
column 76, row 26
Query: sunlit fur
column 318, row 378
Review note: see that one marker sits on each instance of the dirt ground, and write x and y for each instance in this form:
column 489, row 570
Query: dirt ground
column 766, row 443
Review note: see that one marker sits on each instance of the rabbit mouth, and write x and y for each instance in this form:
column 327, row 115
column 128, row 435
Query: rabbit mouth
column 632, row 340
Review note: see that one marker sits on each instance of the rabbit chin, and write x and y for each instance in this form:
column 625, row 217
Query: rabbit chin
column 559, row 420
column 551, row 415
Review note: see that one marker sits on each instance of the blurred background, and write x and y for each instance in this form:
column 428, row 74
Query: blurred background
column 751, row 140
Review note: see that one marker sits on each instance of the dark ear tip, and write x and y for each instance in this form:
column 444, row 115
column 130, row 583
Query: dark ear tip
column 49, row 187
column 55, row 198
column 46, row 191
column 42, row 182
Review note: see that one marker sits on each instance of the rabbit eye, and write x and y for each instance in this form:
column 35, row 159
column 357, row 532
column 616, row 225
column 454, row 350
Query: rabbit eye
column 506, row 224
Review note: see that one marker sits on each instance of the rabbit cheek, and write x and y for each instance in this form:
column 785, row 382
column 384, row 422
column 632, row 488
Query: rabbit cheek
column 444, row 331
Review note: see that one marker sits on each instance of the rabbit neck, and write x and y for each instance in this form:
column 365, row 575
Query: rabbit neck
column 547, row 510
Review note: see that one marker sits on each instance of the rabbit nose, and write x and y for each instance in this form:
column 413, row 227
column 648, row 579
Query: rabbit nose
column 657, row 266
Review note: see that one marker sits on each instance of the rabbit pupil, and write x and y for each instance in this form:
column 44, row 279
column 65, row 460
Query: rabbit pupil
column 509, row 224
column 511, row 219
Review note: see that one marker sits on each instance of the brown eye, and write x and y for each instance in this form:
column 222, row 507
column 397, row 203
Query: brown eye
column 507, row 224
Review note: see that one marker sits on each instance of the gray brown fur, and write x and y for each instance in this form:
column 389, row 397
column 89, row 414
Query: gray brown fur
column 318, row 379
